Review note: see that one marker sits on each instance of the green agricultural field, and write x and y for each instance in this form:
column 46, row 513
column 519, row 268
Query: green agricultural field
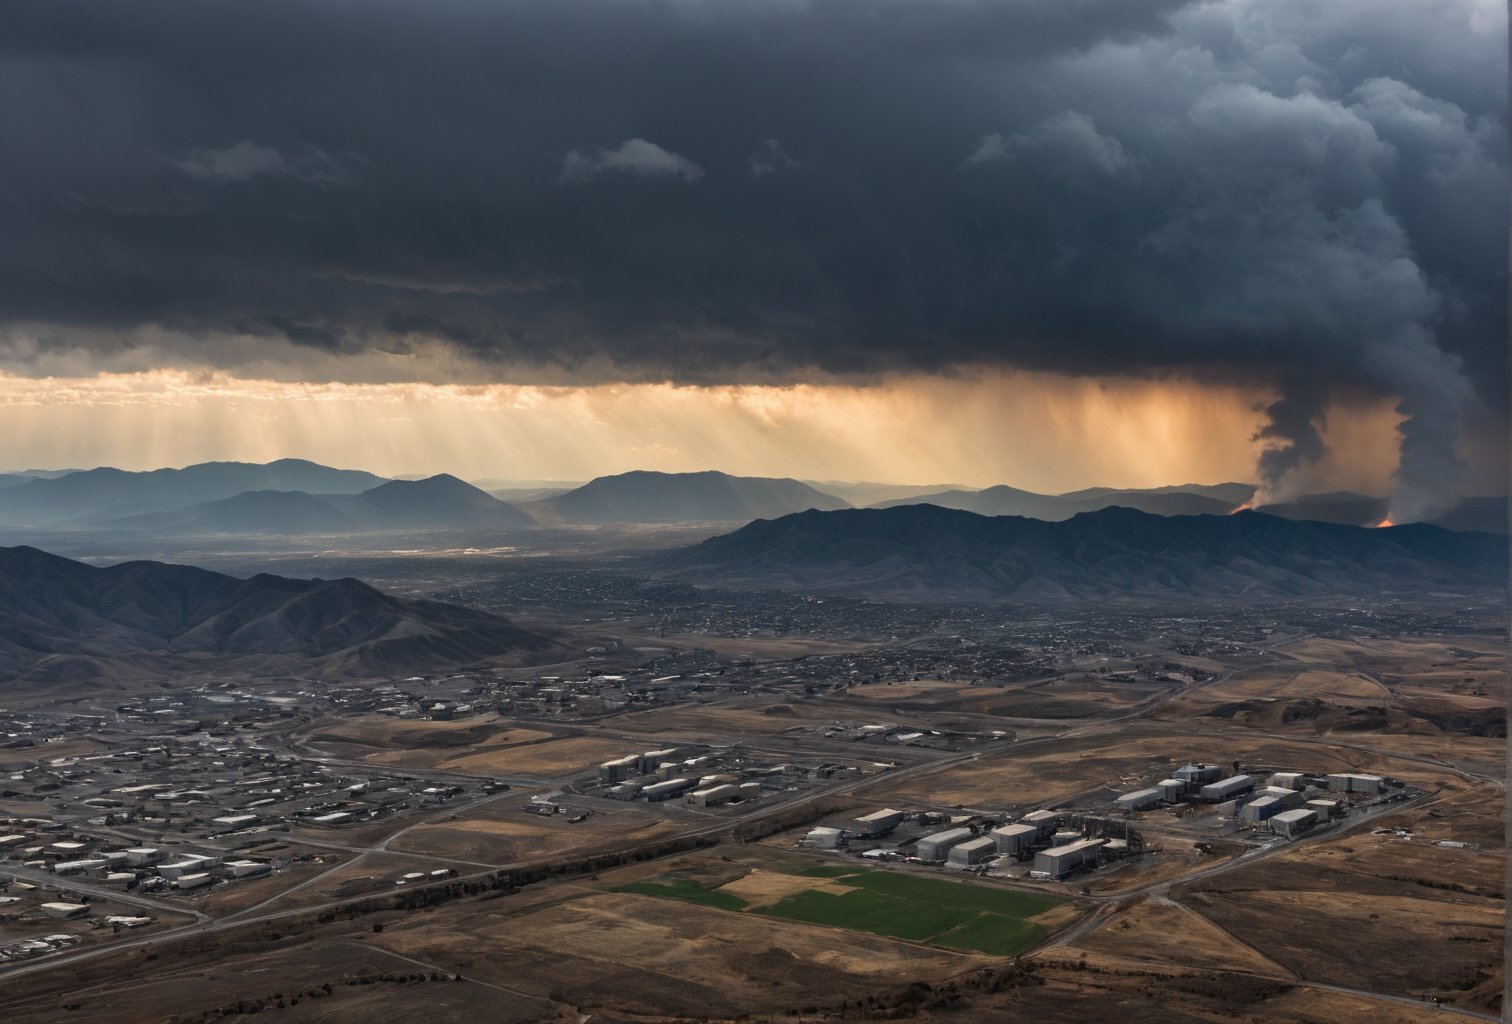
column 901, row 906
column 685, row 889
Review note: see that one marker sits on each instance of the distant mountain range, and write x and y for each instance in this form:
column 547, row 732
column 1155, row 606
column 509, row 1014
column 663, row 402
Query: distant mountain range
column 66, row 621
column 1345, row 507
column 926, row 551
column 98, row 495
column 294, row 497
column 647, row 497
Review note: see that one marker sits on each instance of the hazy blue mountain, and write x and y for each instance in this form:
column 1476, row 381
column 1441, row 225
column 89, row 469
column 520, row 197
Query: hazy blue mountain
column 64, row 620
column 649, row 497
column 1011, row 501
column 254, row 512
column 97, row 495
column 437, row 501
column 927, row 551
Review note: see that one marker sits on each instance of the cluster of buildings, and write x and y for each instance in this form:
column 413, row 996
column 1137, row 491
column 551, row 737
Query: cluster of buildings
column 1289, row 804
column 1057, row 844
column 700, row 776
column 142, row 868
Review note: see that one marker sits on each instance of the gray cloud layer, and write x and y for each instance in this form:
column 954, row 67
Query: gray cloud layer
column 1251, row 189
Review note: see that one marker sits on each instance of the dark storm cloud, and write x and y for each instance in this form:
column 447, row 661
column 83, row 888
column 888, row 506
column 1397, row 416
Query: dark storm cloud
column 1260, row 190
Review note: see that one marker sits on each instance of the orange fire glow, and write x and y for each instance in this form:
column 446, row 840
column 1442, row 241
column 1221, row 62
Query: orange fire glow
column 1384, row 522
column 1242, row 508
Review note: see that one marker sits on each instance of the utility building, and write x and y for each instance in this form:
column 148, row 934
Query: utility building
column 1262, row 808
column 1015, row 840
column 972, row 851
column 1198, row 775
column 936, row 845
column 1171, row 790
column 1293, row 823
column 1060, row 861
column 1045, row 821
column 877, row 823
column 1227, row 789
column 1346, row 782
column 1139, row 800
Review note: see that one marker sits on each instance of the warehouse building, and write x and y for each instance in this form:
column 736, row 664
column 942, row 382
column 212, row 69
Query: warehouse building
column 1262, row 808
column 1140, row 800
column 1060, row 861
column 1325, row 809
column 618, row 769
column 666, row 790
column 1227, row 789
column 714, row 795
column 196, row 881
column 65, row 911
column 1290, row 798
column 1287, row 780
column 936, row 845
column 822, row 838
column 877, row 823
column 1198, row 775
column 1293, row 823
column 972, row 851
column 1171, row 790
column 1346, row 782
column 1044, row 821
column 1015, row 840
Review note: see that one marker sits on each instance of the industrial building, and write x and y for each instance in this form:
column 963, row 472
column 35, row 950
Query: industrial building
column 1140, row 800
column 1346, row 782
column 877, row 823
column 1044, row 821
column 666, row 790
column 1015, row 840
column 1171, row 790
column 1262, row 808
column 1287, row 780
column 938, row 844
column 822, row 838
column 65, row 911
column 713, row 795
column 1198, row 775
column 1293, row 823
column 972, row 851
column 1227, row 789
column 1060, row 861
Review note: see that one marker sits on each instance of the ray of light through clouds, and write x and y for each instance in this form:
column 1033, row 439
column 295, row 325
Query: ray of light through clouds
column 1044, row 431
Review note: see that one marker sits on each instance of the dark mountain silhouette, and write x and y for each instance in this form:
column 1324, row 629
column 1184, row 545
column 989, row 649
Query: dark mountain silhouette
column 436, row 501
column 1011, row 501
column 266, row 512
column 647, row 497
column 65, row 620
column 923, row 550
column 97, row 495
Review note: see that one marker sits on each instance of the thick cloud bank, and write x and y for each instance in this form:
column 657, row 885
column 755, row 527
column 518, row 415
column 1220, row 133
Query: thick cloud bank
column 1308, row 195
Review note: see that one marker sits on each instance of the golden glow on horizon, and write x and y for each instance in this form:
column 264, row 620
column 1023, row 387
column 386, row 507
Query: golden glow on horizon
column 1033, row 430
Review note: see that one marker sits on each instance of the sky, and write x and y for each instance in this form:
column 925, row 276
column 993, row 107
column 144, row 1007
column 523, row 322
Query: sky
column 1051, row 243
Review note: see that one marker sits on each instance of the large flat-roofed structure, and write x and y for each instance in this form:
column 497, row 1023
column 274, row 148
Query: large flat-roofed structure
column 1140, row 800
column 822, row 838
column 1287, row 780
column 1349, row 782
column 65, row 911
column 877, row 823
column 1060, row 861
column 1045, row 821
column 1198, row 775
column 1261, row 808
column 1015, row 840
column 937, row 844
column 670, row 788
column 1227, row 789
column 972, row 851
column 713, row 795
column 1293, row 823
